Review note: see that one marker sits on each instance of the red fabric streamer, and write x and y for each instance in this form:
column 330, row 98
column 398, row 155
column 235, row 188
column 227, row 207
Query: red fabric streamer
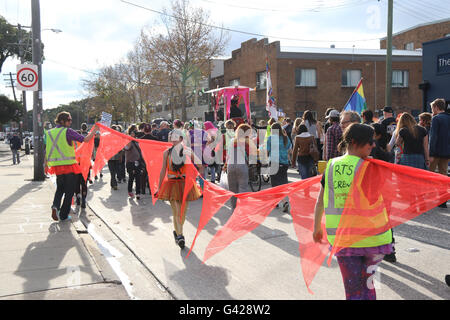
column 152, row 152
column 111, row 142
column 251, row 210
column 383, row 190
column 84, row 154
column 214, row 198
column 312, row 255
column 191, row 176
column 382, row 196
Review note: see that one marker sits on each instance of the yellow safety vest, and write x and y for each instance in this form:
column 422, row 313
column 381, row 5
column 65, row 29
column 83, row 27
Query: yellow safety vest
column 339, row 176
column 58, row 152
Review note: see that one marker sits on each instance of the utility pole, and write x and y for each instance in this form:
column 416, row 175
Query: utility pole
column 12, row 86
column 388, row 98
column 38, row 129
column 24, row 94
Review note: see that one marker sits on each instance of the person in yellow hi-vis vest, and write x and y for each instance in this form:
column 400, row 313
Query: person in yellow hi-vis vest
column 60, row 156
column 359, row 261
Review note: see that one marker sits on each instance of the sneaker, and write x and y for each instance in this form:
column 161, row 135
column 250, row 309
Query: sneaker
column 138, row 197
column 286, row 207
column 55, row 214
column 90, row 181
column 69, row 218
column 390, row 258
column 180, row 241
column 130, row 194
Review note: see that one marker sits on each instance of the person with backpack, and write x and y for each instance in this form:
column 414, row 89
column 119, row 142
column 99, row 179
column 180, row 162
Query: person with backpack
column 302, row 152
column 279, row 159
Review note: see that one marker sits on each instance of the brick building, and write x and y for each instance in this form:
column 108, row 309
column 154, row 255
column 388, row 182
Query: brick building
column 318, row 78
column 412, row 38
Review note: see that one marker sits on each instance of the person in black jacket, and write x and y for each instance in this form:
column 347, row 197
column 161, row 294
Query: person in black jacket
column 379, row 152
column 15, row 144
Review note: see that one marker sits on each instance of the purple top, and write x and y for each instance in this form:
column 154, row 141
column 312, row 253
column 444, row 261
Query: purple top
column 346, row 252
column 72, row 135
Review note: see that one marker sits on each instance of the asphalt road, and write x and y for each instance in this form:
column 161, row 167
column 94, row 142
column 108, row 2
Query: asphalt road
column 265, row 263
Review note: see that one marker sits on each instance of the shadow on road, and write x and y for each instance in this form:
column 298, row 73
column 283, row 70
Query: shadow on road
column 214, row 280
column 37, row 258
column 23, row 191
column 436, row 286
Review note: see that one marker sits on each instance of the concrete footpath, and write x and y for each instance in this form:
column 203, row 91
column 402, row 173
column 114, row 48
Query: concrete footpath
column 44, row 259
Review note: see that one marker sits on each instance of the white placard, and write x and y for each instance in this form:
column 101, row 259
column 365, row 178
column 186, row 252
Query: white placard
column 106, row 119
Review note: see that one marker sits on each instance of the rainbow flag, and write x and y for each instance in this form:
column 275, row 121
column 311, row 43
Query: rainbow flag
column 357, row 101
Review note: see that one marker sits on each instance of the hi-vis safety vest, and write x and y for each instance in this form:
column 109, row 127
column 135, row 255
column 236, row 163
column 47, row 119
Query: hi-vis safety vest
column 58, row 152
column 339, row 175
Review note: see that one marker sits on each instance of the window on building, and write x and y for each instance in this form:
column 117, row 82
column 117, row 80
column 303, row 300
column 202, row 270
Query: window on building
column 400, row 78
column 261, row 80
column 235, row 82
column 350, row 78
column 409, row 46
column 305, row 77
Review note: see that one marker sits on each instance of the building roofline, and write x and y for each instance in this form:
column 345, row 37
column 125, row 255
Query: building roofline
column 418, row 26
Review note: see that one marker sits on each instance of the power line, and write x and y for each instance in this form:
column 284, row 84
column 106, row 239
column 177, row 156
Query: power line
column 413, row 8
column 115, row 78
column 244, row 32
column 430, row 9
column 316, row 9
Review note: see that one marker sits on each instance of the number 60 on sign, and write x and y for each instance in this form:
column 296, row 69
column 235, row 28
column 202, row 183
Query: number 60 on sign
column 27, row 77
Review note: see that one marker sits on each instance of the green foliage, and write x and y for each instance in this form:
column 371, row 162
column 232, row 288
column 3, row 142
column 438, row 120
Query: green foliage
column 9, row 42
column 10, row 110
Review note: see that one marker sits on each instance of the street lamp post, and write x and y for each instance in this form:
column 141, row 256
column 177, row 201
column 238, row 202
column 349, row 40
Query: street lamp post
column 38, row 129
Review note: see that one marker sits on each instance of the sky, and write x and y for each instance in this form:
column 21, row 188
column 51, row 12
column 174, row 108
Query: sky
column 97, row 33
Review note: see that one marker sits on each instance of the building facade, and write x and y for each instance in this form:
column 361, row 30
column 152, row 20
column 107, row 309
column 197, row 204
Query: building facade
column 318, row 78
column 412, row 38
column 436, row 71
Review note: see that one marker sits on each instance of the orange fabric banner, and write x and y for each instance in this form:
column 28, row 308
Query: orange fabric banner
column 312, row 255
column 84, row 154
column 214, row 198
column 251, row 210
column 111, row 142
column 382, row 196
column 152, row 152
column 385, row 195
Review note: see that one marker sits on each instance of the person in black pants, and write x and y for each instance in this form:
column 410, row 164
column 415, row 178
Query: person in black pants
column 144, row 176
column 133, row 164
column 113, row 165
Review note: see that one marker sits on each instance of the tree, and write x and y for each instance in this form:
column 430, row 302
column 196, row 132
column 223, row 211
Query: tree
column 109, row 93
column 13, row 42
column 187, row 47
column 10, row 110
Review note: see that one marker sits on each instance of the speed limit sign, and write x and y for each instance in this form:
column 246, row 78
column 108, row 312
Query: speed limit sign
column 27, row 77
